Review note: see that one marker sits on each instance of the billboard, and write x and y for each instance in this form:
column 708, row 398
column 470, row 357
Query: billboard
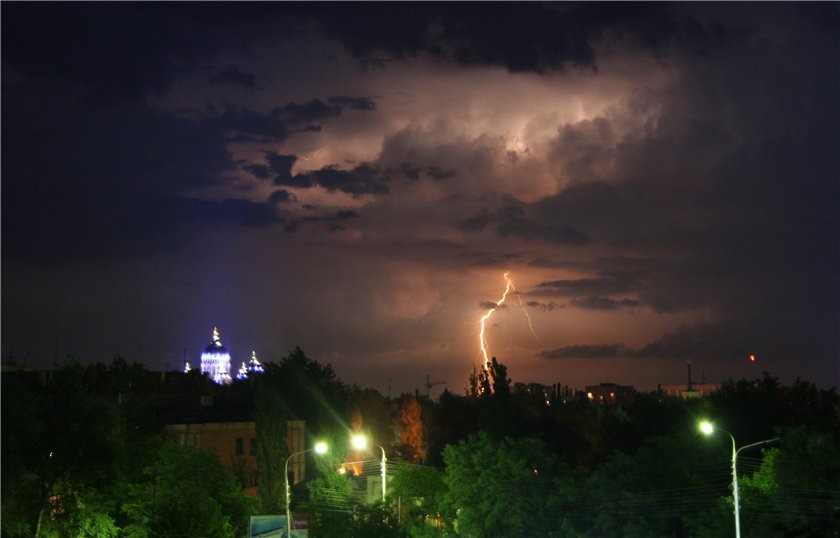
column 273, row 526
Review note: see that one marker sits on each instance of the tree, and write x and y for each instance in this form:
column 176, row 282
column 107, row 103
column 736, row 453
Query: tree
column 185, row 492
column 329, row 506
column 411, row 430
column 499, row 488
column 375, row 520
column 453, row 418
column 76, row 456
column 419, row 490
column 312, row 392
column 270, row 417
column 296, row 388
column 793, row 493
column 374, row 412
column 22, row 455
column 653, row 492
column 490, row 389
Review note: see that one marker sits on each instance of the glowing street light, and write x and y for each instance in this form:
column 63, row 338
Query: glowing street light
column 360, row 442
column 708, row 428
column 319, row 448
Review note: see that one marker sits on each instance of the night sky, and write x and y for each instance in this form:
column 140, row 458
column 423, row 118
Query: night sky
column 661, row 181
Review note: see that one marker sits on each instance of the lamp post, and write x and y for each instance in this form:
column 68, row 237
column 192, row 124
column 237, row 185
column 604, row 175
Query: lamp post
column 319, row 448
column 359, row 442
column 708, row 428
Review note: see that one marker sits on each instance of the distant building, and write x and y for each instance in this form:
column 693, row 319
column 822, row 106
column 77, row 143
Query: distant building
column 689, row 390
column 228, row 432
column 610, row 393
column 694, row 390
column 254, row 367
column 547, row 395
column 215, row 361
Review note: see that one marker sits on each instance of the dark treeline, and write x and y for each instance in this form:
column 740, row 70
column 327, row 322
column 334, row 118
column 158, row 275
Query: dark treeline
column 82, row 455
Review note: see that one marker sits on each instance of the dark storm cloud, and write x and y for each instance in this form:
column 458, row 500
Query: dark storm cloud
column 282, row 197
column 356, row 103
column 251, row 125
column 233, row 76
column 512, row 221
column 104, row 158
column 586, row 352
column 607, row 283
column 361, row 180
column 312, row 110
column 594, row 302
column 333, row 221
column 435, row 172
column 278, row 124
column 545, row 307
column 488, row 305
column 114, row 178
column 492, row 34
column 502, row 260
column 713, row 341
column 245, row 124
column 700, row 341
column 281, row 166
column 115, row 52
column 338, row 216
column 259, row 171
column 414, row 173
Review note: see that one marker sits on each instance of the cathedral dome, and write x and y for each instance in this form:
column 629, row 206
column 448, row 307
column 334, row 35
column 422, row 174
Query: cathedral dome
column 215, row 361
column 215, row 347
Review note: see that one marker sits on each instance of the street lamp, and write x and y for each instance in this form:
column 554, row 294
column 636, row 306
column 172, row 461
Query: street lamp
column 708, row 428
column 360, row 442
column 319, row 448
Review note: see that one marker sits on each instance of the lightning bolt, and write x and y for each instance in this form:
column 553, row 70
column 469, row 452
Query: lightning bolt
column 525, row 311
column 482, row 340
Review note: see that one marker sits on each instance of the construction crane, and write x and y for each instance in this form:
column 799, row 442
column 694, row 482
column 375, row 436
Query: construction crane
column 430, row 384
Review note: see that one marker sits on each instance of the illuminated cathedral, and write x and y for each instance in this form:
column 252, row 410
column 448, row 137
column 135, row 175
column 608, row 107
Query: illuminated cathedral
column 215, row 362
column 254, row 367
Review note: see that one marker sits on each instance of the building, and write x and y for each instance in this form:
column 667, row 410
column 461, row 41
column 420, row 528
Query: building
column 690, row 390
column 230, row 434
column 610, row 393
column 686, row 391
column 254, row 367
column 215, row 360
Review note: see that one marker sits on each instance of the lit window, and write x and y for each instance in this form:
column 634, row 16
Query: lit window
column 589, row 395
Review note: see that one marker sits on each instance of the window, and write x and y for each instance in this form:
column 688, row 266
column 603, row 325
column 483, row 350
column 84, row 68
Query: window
column 239, row 450
column 253, row 446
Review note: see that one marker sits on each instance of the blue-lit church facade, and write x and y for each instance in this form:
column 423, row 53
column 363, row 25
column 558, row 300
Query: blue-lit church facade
column 215, row 362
